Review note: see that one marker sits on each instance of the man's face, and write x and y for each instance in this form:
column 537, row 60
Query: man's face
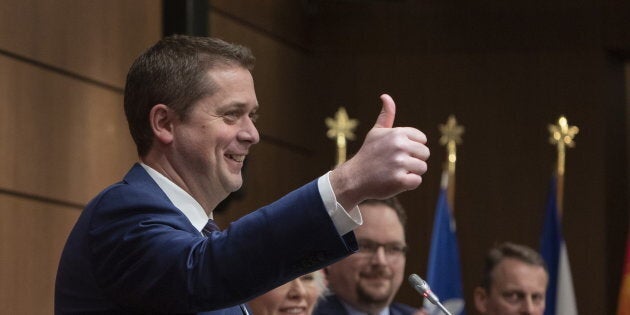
column 210, row 145
column 368, row 281
column 517, row 288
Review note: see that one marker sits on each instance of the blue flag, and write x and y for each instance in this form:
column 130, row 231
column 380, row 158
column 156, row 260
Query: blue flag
column 560, row 297
column 444, row 270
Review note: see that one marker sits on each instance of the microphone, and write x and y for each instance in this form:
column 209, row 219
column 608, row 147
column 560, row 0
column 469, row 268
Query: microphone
column 423, row 288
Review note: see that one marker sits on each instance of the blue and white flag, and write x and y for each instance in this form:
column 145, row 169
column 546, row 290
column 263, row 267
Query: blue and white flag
column 444, row 270
column 560, row 299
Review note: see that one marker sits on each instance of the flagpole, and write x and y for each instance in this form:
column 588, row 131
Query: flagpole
column 562, row 136
column 451, row 137
column 444, row 267
column 339, row 129
column 560, row 296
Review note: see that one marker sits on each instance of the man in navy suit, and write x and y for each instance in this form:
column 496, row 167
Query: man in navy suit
column 148, row 245
column 366, row 282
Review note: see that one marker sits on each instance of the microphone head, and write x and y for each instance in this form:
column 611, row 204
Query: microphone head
column 420, row 285
column 415, row 280
column 423, row 288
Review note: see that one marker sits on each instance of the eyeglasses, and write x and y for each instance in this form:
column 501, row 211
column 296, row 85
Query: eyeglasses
column 393, row 251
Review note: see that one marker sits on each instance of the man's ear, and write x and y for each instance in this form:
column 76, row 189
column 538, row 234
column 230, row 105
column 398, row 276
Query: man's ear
column 481, row 298
column 161, row 120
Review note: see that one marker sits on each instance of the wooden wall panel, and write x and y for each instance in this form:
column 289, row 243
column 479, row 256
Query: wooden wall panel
column 63, row 135
column 283, row 21
column 32, row 235
column 62, row 138
column 93, row 38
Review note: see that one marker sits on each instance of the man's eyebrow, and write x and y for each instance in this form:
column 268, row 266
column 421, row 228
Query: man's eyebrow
column 238, row 105
column 513, row 291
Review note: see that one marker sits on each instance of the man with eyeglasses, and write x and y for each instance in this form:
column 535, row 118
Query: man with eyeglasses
column 365, row 283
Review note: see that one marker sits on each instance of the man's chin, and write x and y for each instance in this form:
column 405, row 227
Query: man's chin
column 376, row 285
column 375, row 295
column 235, row 183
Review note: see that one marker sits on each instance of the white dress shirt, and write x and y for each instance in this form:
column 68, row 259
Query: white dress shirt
column 344, row 221
column 353, row 311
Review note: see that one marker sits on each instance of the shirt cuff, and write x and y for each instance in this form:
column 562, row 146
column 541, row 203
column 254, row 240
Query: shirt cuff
column 344, row 221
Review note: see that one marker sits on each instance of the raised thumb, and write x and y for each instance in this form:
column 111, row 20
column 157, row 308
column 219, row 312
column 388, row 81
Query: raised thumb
column 388, row 113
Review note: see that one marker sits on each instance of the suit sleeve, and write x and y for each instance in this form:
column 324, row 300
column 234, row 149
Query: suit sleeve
column 145, row 255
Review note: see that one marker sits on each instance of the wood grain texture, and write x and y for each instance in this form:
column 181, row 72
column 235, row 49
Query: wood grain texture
column 32, row 235
column 62, row 138
column 63, row 134
column 96, row 39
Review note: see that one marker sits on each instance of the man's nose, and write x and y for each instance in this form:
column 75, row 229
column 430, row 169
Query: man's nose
column 527, row 306
column 249, row 132
column 379, row 257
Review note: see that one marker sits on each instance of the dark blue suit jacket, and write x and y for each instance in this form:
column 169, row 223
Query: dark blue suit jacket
column 330, row 305
column 132, row 251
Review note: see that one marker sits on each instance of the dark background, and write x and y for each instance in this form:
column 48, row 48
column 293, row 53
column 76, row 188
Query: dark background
column 505, row 69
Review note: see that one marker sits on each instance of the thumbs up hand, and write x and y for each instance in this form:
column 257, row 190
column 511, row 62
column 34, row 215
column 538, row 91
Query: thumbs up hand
column 390, row 161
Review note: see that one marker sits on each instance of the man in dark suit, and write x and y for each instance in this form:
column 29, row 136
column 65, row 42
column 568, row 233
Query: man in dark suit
column 366, row 282
column 148, row 245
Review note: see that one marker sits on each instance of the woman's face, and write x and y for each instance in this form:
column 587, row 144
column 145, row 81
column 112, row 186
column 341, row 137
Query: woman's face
column 297, row 297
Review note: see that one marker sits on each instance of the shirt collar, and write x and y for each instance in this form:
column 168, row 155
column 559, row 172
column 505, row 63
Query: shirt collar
column 353, row 311
column 180, row 198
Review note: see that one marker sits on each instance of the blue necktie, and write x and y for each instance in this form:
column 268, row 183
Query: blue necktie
column 210, row 227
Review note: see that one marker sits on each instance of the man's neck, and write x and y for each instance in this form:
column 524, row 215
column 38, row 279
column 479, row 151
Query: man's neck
column 160, row 164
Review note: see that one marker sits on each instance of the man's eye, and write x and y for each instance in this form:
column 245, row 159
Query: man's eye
column 230, row 117
column 538, row 298
column 512, row 297
column 253, row 117
column 395, row 249
column 366, row 246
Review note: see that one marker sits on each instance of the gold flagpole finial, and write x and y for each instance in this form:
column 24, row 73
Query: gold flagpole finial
column 561, row 135
column 451, row 137
column 340, row 129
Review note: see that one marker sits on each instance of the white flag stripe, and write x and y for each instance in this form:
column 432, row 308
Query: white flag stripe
column 565, row 296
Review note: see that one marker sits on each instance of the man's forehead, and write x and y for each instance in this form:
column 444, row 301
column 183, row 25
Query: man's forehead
column 513, row 273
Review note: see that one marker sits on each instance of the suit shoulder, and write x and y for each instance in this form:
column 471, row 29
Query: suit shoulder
column 125, row 193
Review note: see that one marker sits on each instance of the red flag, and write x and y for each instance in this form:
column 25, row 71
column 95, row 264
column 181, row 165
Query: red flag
column 624, row 293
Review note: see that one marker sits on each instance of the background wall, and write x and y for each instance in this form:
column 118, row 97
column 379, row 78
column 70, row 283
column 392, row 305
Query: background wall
column 63, row 135
column 506, row 70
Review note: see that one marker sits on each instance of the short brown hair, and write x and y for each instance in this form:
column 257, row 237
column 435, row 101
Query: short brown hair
column 392, row 203
column 174, row 72
column 508, row 250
